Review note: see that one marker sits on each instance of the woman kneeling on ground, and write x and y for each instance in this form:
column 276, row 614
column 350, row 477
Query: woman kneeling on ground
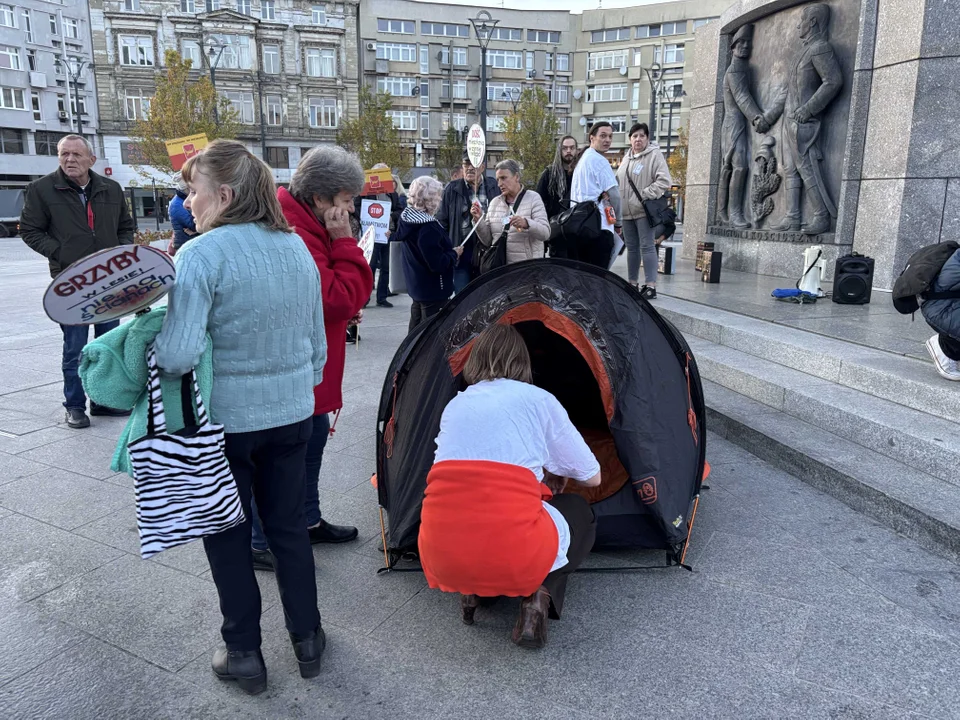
column 486, row 490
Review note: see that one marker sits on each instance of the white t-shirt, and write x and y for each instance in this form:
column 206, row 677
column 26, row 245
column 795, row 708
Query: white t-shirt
column 592, row 177
column 517, row 423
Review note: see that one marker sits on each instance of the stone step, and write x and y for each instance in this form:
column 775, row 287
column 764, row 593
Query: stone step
column 902, row 380
column 922, row 441
column 910, row 501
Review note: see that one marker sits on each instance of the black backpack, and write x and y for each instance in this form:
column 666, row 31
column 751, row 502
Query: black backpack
column 919, row 274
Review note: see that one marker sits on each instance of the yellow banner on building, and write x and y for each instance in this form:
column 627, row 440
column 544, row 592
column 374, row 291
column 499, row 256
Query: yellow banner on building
column 182, row 149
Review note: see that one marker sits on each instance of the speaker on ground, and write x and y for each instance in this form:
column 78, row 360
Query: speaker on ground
column 853, row 280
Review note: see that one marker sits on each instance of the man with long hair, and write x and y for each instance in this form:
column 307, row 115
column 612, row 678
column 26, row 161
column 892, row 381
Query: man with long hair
column 554, row 184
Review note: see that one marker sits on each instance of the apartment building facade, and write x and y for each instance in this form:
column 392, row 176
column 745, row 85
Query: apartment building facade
column 46, row 86
column 428, row 57
column 288, row 68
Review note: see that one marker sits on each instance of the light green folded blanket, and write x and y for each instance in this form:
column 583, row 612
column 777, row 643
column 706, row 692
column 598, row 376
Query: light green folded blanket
column 113, row 369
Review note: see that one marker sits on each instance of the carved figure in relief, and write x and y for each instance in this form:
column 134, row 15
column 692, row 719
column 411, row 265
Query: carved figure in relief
column 766, row 180
column 738, row 107
column 814, row 82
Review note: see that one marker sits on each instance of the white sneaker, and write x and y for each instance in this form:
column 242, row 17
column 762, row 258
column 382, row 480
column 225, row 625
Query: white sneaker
column 945, row 366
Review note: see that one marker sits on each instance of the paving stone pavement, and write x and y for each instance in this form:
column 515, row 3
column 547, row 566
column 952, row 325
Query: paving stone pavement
column 798, row 607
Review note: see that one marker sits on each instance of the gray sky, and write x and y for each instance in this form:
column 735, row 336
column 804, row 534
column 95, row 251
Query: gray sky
column 574, row 5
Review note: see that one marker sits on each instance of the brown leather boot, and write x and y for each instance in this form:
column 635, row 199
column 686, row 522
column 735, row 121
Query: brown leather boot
column 468, row 606
column 531, row 628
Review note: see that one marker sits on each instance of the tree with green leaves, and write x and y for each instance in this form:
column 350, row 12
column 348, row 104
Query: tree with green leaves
column 449, row 156
column 532, row 130
column 181, row 107
column 371, row 135
column 677, row 162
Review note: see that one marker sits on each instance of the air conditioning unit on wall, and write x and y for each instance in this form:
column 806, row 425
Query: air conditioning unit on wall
column 371, row 46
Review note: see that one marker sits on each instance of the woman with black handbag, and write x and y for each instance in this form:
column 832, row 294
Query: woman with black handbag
column 516, row 225
column 644, row 178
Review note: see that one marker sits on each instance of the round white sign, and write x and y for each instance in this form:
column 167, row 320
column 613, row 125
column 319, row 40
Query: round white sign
column 109, row 284
column 476, row 145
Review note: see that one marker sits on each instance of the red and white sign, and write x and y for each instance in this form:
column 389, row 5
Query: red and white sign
column 108, row 171
column 476, row 145
column 109, row 284
column 376, row 211
column 376, row 214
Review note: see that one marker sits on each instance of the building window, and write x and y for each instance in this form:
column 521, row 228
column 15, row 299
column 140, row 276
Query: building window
column 397, row 52
column 459, row 90
column 71, row 29
column 619, row 123
column 562, row 94
column 7, row 16
column 459, row 122
column 236, row 53
column 562, row 62
column 323, row 113
column 564, row 126
column 606, row 93
column 268, row 10
column 131, row 5
column 137, row 106
column 504, row 33
column 10, row 58
column 670, row 54
column 530, row 60
column 496, row 123
column 425, row 94
column 11, row 142
column 424, row 60
column 271, row 59
column 318, row 15
column 321, row 62
column 396, row 86
column 609, row 60
column 274, row 110
column 665, row 125
column 27, row 24
column 35, row 105
column 212, row 5
column 425, row 126
column 12, row 99
column 242, row 102
column 278, row 157
column 136, row 50
column 444, row 29
column 697, row 24
column 405, row 27
column 543, row 36
column 54, row 28
column 459, row 56
column 46, row 142
column 507, row 59
column 403, row 119
column 244, row 7
column 32, row 60
column 188, row 6
column 504, row 92
column 192, row 52
column 602, row 36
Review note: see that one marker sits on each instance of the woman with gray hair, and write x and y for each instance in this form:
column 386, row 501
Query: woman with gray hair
column 428, row 254
column 517, row 216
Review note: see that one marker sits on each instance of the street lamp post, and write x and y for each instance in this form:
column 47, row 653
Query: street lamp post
column 677, row 94
column 512, row 96
column 656, row 81
column 214, row 53
column 74, row 69
column 483, row 25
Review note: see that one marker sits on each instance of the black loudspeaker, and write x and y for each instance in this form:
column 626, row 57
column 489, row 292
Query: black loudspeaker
column 853, row 280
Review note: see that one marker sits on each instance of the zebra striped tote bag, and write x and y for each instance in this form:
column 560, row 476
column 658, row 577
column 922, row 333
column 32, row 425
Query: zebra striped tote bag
column 184, row 487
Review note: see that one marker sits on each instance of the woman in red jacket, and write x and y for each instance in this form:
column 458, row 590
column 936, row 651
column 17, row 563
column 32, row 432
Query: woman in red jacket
column 318, row 206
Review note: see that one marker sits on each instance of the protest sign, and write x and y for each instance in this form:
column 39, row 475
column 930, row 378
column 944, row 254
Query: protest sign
column 476, row 145
column 377, row 182
column 367, row 242
column 376, row 214
column 182, row 149
column 109, row 284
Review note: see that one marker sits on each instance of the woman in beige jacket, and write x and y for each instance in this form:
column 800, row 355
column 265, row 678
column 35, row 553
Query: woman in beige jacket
column 529, row 226
column 642, row 170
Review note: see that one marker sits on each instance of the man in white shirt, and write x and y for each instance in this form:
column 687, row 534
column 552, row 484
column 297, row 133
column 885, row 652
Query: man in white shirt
column 594, row 181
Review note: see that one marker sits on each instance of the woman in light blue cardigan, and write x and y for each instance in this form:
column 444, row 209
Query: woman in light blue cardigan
column 251, row 283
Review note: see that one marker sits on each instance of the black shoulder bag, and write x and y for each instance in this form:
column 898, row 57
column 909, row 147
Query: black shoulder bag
column 658, row 211
column 490, row 258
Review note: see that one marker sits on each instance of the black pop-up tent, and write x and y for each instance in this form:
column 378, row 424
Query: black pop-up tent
column 625, row 375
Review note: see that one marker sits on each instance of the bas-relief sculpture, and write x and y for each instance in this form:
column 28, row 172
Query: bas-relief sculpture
column 813, row 81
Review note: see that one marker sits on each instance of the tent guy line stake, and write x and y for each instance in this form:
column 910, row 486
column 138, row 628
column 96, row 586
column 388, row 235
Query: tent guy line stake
column 383, row 535
column 693, row 519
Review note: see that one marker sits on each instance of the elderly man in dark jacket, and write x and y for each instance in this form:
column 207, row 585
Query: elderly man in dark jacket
column 454, row 213
column 67, row 215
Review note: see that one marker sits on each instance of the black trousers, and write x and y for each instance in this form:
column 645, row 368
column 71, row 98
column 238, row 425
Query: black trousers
column 381, row 259
column 267, row 464
column 594, row 252
column 950, row 347
column 423, row 311
column 583, row 532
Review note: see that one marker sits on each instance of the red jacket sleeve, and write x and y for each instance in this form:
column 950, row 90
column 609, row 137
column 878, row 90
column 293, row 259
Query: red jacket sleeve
column 345, row 279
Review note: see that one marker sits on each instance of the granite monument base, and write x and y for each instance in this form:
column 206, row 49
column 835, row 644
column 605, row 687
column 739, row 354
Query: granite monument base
column 768, row 252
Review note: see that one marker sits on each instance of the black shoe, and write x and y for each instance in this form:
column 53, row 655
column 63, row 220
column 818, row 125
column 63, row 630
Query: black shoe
column 384, row 303
column 327, row 533
column 648, row 293
column 309, row 652
column 392, row 294
column 244, row 666
column 105, row 411
column 353, row 335
column 77, row 418
column 263, row 560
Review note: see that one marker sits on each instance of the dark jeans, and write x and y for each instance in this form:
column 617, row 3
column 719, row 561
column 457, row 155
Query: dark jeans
column 950, row 347
column 423, row 311
column 462, row 275
column 74, row 338
column 595, row 252
column 583, row 532
column 311, row 479
column 267, row 464
column 381, row 259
